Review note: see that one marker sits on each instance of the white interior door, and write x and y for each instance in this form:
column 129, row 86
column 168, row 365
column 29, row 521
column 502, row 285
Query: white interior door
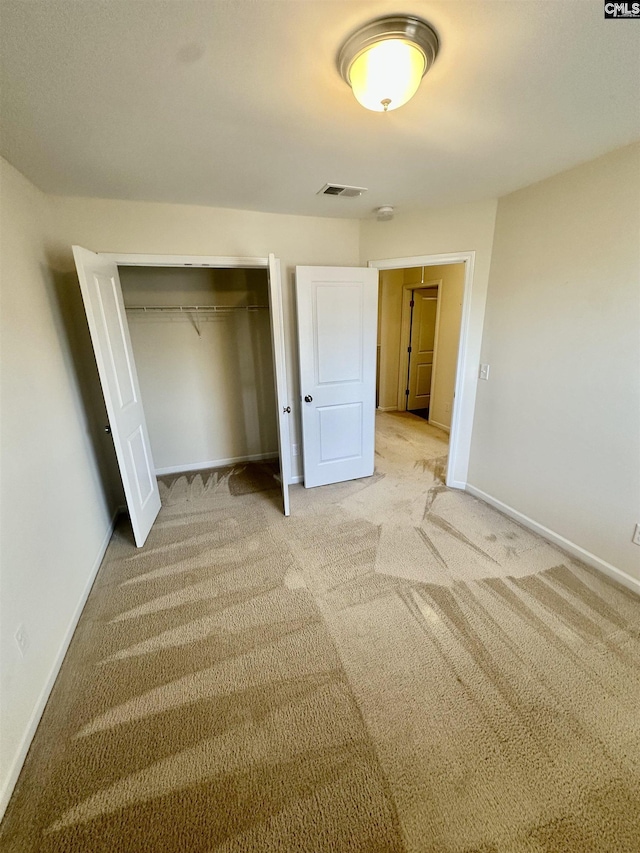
column 337, row 335
column 102, row 296
column 423, row 334
column 280, row 375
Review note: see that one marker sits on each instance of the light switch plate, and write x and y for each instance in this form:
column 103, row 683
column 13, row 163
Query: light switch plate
column 484, row 371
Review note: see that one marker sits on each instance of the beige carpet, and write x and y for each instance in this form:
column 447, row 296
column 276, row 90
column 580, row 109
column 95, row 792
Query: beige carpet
column 396, row 667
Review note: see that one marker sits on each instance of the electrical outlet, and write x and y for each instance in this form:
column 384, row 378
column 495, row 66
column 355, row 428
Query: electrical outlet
column 447, row 408
column 484, row 371
column 294, row 448
column 636, row 535
column 22, row 640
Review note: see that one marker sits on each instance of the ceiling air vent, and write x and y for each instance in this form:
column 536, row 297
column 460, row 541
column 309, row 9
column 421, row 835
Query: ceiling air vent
column 341, row 190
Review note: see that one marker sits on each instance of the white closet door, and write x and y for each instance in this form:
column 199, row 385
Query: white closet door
column 337, row 330
column 103, row 303
column 280, row 375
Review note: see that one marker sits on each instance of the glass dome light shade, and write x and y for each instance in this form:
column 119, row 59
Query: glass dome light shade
column 387, row 74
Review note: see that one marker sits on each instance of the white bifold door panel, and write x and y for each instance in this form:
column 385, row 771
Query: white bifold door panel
column 280, row 376
column 102, row 296
column 337, row 336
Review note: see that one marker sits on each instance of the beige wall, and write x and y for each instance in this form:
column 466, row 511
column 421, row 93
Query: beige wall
column 55, row 510
column 557, row 426
column 207, row 388
column 152, row 228
column 451, row 294
column 460, row 228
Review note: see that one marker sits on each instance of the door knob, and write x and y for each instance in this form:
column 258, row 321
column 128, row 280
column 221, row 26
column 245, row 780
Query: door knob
column 308, row 398
column 286, row 410
column 107, row 429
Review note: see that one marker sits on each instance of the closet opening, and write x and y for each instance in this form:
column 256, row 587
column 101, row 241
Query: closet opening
column 202, row 346
column 209, row 347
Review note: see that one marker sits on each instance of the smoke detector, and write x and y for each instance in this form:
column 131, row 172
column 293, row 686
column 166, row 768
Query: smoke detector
column 342, row 190
column 384, row 213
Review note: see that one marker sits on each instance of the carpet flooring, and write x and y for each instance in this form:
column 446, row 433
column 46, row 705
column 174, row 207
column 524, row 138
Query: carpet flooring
column 396, row 667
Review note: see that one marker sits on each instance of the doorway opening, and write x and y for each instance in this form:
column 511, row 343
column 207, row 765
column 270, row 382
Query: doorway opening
column 419, row 337
column 421, row 350
column 429, row 339
column 426, row 356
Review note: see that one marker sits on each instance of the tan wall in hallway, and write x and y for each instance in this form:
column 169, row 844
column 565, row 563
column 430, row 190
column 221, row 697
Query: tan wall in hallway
column 451, row 294
column 391, row 282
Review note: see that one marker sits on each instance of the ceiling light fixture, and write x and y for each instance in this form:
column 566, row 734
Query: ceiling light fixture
column 385, row 60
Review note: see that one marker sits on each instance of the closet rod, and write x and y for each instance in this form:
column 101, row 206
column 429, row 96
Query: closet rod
column 190, row 309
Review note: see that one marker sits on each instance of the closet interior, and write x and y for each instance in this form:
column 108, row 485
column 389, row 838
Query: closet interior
column 201, row 340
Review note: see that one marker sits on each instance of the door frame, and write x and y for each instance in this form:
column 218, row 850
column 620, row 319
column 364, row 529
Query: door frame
column 405, row 337
column 134, row 260
column 468, row 360
column 128, row 259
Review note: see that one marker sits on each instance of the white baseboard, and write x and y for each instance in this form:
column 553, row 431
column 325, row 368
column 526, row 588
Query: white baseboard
column 440, row 426
column 566, row 544
column 387, row 408
column 36, row 714
column 296, row 478
column 215, row 463
column 457, row 484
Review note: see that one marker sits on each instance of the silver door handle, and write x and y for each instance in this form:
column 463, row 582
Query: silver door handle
column 308, row 398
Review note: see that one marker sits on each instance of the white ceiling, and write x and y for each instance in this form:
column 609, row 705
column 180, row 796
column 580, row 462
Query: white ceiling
column 238, row 103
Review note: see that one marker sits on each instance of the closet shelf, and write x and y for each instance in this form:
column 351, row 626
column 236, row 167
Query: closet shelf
column 191, row 309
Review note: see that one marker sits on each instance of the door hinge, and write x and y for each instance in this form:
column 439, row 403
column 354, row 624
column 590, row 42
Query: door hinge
column 408, row 349
column 407, row 392
column 411, row 304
